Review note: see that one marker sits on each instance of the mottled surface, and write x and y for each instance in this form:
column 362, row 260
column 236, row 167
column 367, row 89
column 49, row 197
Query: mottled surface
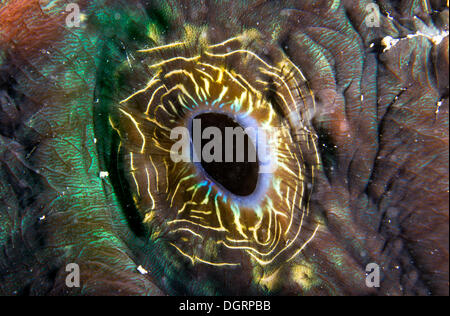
column 380, row 193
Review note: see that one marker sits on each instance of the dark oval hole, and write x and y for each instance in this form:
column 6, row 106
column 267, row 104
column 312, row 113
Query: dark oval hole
column 240, row 175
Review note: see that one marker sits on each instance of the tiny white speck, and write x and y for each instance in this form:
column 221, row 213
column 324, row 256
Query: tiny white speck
column 439, row 104
column 95, row 140
column 142, row 270
column 104, row 174
column 388, row 42
column 42, row 218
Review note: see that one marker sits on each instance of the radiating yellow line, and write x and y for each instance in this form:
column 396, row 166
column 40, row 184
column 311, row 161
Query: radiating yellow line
column 177, row 221
column 148, row 189
column 222, row 94
column 197, row 217
column 149, row 85
column 207, row 85
column 153, row 49
column 216, row 205
column 158, row 124
column 164, row 62
column 243, row 51
column 183, row 253
column 137, row 127
column 187, row 73
column 221, row 72
column 205, row 74
column 292, row 209
column 202, row 212
column 167, row 174
column 113, row 127
column 259, row 253
column 153, row 96
column 172, row 106
column 156, row 172
column 298, row 69
column 194, row 259
column 133, row 169
column 182, row 88
column 185, row 205
column 187, row 230
column 223, row 264
column 160, row 106
column 255, row 91
column 305, row 244
column 225, row 42
column 284, row 83
column 178, row 186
